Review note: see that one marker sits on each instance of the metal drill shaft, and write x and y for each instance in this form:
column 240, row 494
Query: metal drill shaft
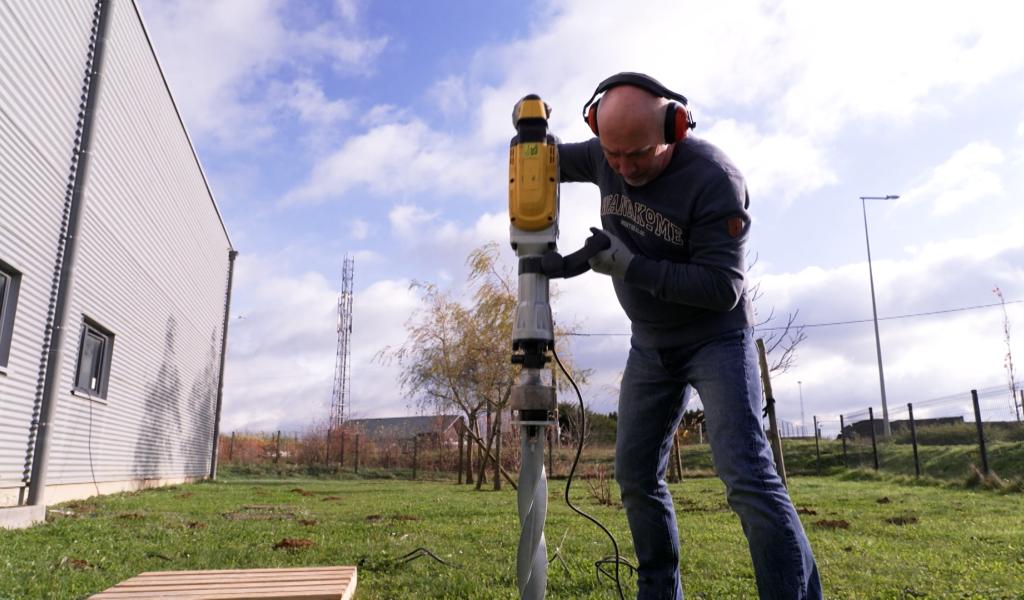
column 532, row 557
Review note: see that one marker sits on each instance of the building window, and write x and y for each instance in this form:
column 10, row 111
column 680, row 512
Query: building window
column 93, row 370
column 9, row 282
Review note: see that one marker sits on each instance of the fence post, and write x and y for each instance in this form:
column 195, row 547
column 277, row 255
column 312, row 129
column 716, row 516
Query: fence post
column 460, row 466
column 874, row 441
column 356, row 459
column 817, row 448
column 277, row 450
column 551, row 453
column 341, row 453
column 913, row 440
column 780, row 464
column 327, row 449
column 981, row 432
column 842, row 434
column 231, row 448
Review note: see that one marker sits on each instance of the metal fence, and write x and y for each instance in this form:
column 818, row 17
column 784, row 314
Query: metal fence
column 456, row 456
column 973, row 432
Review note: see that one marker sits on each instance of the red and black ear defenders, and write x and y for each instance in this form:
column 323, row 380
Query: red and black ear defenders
column 678, row 120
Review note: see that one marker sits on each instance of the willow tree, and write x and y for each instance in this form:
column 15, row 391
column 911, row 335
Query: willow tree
column 457, row 356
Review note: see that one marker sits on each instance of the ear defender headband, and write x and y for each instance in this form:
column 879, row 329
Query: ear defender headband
column 678, row 120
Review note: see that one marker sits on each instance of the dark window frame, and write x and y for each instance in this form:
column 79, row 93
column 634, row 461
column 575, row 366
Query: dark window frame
column 100, row 366
column 10, row 283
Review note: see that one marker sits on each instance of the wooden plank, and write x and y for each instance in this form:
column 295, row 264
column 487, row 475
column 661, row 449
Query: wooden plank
column 251, row 571
column 314, row 583
column 206, row 576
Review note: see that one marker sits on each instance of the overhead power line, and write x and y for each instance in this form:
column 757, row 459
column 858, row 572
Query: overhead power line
column 837, row 323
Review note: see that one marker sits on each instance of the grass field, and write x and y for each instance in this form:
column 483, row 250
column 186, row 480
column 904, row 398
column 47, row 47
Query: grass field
column 899, row 541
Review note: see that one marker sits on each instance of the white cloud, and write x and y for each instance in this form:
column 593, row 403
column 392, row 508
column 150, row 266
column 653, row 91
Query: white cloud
column 342, row 52
column 968, row 176
column 359, row 229
column 401, row 158
column 349, row 10
column 218, row 57
column 281, row 351
column 804, row 69
column 409, row 221
column 450, row 96
column 776, row 166
column 307, row 99
column 924, row 357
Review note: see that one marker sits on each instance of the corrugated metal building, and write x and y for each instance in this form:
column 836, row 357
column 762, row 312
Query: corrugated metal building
column 115, row 264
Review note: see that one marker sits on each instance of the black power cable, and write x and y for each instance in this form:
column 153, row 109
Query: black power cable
column 615, row 559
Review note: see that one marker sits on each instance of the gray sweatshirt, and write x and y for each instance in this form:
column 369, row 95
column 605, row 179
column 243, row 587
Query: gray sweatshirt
column 687, row 228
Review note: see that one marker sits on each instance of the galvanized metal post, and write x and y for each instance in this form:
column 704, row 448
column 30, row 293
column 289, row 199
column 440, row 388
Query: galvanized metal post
column 981, row 433
column 874, row 442
column 842, row 434
column 415, row 451
column 913, row 440
column 817, row 447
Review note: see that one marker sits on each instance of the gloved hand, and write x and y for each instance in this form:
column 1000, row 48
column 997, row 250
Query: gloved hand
column 614, row 260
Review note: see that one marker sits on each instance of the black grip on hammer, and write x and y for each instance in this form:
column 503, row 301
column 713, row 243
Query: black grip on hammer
column 554, row 265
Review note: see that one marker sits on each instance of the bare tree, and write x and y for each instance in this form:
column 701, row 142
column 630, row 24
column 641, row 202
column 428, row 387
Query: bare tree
column 780, row 340
column 1008, row 359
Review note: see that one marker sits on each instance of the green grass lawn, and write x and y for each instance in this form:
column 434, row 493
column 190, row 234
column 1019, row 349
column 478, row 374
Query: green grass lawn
column 952, row 543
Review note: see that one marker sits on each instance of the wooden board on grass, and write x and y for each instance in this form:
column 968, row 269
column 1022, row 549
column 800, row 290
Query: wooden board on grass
column 315, row 583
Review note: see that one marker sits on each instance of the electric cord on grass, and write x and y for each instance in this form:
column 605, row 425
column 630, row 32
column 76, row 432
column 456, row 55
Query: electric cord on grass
column 615, row 559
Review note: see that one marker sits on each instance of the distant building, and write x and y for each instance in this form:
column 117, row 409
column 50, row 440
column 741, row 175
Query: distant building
column 863, row 428
column 113, row 252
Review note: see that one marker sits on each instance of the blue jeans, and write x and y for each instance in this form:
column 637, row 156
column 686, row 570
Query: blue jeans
column 655, row 389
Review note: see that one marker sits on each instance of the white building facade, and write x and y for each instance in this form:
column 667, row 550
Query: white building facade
column 115, row 265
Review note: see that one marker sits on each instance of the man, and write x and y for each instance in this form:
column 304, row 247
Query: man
column 675, row 209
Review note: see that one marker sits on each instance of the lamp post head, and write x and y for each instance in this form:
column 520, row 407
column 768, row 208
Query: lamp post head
column 886, row 197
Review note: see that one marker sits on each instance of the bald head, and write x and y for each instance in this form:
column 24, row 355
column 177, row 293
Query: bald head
column 626, row 109
column 632, row 125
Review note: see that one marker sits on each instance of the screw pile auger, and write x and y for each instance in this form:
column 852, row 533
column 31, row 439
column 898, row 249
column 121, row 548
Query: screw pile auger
column 533, row 212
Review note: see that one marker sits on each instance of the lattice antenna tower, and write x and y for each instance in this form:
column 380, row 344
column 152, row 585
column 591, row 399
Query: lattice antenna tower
column 343, row 361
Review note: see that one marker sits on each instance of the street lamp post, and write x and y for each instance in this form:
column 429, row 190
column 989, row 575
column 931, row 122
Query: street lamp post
column 886, row 432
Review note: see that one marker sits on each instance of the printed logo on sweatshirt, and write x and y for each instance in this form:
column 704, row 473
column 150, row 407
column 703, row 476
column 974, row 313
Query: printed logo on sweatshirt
column 641, row 218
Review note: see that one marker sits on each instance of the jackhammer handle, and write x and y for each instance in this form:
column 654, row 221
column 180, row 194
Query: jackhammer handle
column 577, row 263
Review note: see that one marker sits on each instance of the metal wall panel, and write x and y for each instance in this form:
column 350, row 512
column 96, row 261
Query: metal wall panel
column 43, row 50
column 152, row 268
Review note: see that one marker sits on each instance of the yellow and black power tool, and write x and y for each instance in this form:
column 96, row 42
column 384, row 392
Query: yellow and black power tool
column 533, row 215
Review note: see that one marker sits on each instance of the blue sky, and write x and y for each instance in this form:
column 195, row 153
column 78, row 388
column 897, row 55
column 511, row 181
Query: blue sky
column 381, row 130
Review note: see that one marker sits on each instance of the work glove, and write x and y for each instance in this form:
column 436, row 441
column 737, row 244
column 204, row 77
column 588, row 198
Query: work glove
column 615, row 259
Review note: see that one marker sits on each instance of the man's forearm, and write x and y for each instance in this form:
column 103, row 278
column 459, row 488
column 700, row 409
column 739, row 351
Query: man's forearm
column 686, row 283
